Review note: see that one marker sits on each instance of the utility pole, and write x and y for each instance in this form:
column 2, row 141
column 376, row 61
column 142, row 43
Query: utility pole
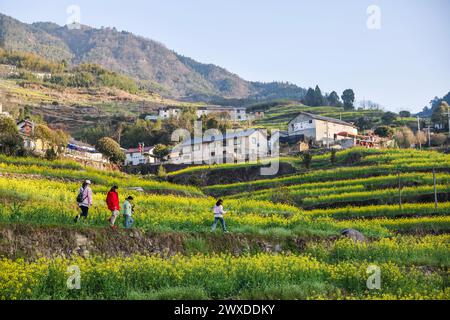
column 429, row 136
column 399, row 191
column 448, row 115
column 328, row 140
column 435, row 190
column 418, row 133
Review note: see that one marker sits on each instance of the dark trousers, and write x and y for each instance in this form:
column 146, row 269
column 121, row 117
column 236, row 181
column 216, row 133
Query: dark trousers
column 84, row 213
column 222, row 222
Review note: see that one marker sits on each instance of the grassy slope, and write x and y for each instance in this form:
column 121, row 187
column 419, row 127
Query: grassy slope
column 279, row 116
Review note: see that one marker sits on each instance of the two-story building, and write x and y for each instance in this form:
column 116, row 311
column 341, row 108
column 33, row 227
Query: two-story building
column 26, row 131
column 234, row 113
column 136, row 156
column 319, row 129
column 233, row 147
column 168, row 112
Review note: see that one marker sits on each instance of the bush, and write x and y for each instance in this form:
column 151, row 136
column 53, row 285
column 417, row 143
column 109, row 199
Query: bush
column 161, row 172
column 10, row 140
column 353, row 158
column 384, row 131
column 405, row 137
column 333, row 157
column 438, row 139
column 50, row 154
column 306, row 160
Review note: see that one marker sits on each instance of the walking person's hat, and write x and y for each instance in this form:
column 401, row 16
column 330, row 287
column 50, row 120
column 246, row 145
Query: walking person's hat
column 87, row 181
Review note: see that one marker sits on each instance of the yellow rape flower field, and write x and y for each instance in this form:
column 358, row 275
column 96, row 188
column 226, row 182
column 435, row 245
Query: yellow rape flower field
column 297, row 224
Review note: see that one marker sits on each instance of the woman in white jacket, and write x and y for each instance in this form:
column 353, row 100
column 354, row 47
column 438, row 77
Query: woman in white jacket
column 84, row 200
column 218, row 215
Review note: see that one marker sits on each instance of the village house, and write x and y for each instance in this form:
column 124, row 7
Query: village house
column 319, row 129
column 26, row 131
column 233, row 147
column 234, row 113
column 136, row 156
column 166, row 113
column 78, row 150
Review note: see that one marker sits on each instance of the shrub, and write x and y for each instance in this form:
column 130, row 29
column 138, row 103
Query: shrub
column 10, row 140
column 438, row 139
column 306, row 159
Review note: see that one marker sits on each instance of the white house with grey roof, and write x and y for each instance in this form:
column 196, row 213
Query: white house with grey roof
column 320, row 129
column 233, row 113
column 233, row 147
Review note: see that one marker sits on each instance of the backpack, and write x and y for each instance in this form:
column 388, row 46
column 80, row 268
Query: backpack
column 80, row 197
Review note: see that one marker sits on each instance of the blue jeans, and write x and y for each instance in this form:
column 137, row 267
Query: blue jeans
column 128, row 221
column 222, row 222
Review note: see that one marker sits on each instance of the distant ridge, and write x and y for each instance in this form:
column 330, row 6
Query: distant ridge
column 149, row 61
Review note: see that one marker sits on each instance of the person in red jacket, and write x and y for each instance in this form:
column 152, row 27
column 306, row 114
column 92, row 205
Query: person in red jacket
column 112, row 200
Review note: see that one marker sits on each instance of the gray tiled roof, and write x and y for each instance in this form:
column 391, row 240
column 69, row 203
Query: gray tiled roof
column 323, row 118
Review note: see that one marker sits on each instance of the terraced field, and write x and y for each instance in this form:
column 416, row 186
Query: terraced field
column 284, row 240
column 279, row 116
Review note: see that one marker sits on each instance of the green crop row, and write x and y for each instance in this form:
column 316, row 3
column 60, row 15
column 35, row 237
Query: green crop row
column 343, row 173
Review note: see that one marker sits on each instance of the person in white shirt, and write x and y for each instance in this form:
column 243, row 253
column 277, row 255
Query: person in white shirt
column 84, row 200
column 218, row 215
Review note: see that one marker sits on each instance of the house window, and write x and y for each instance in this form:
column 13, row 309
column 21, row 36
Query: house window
column 254, row 140
column 310, row 121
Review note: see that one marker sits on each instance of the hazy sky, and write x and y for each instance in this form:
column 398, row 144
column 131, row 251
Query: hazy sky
column 402, row 65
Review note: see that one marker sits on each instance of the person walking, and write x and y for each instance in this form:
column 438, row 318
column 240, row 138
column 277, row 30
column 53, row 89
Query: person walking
column 218, row 216
column 128, row 212
column 112, row 201
column 84, row 200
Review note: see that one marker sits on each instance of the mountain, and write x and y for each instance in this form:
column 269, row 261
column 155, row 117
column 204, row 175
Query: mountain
column 149, row 61
column 434, row 104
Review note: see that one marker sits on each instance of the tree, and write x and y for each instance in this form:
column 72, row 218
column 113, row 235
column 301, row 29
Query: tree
column 405, row 137
column 10, row 140
column 364, row 123
column 318, row 97
column 309, row 99
column 384, row 131
column 439, row 115
column 333, row 99
column 405, row 114
column 348, row 97
column 56, row 140
column 161, row 151
column 111, row 150
column 388, row 118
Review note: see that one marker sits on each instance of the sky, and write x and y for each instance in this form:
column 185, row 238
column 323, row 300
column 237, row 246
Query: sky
column 396, row 53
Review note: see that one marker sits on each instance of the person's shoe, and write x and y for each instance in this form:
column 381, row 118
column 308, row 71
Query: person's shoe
column 76, row 219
